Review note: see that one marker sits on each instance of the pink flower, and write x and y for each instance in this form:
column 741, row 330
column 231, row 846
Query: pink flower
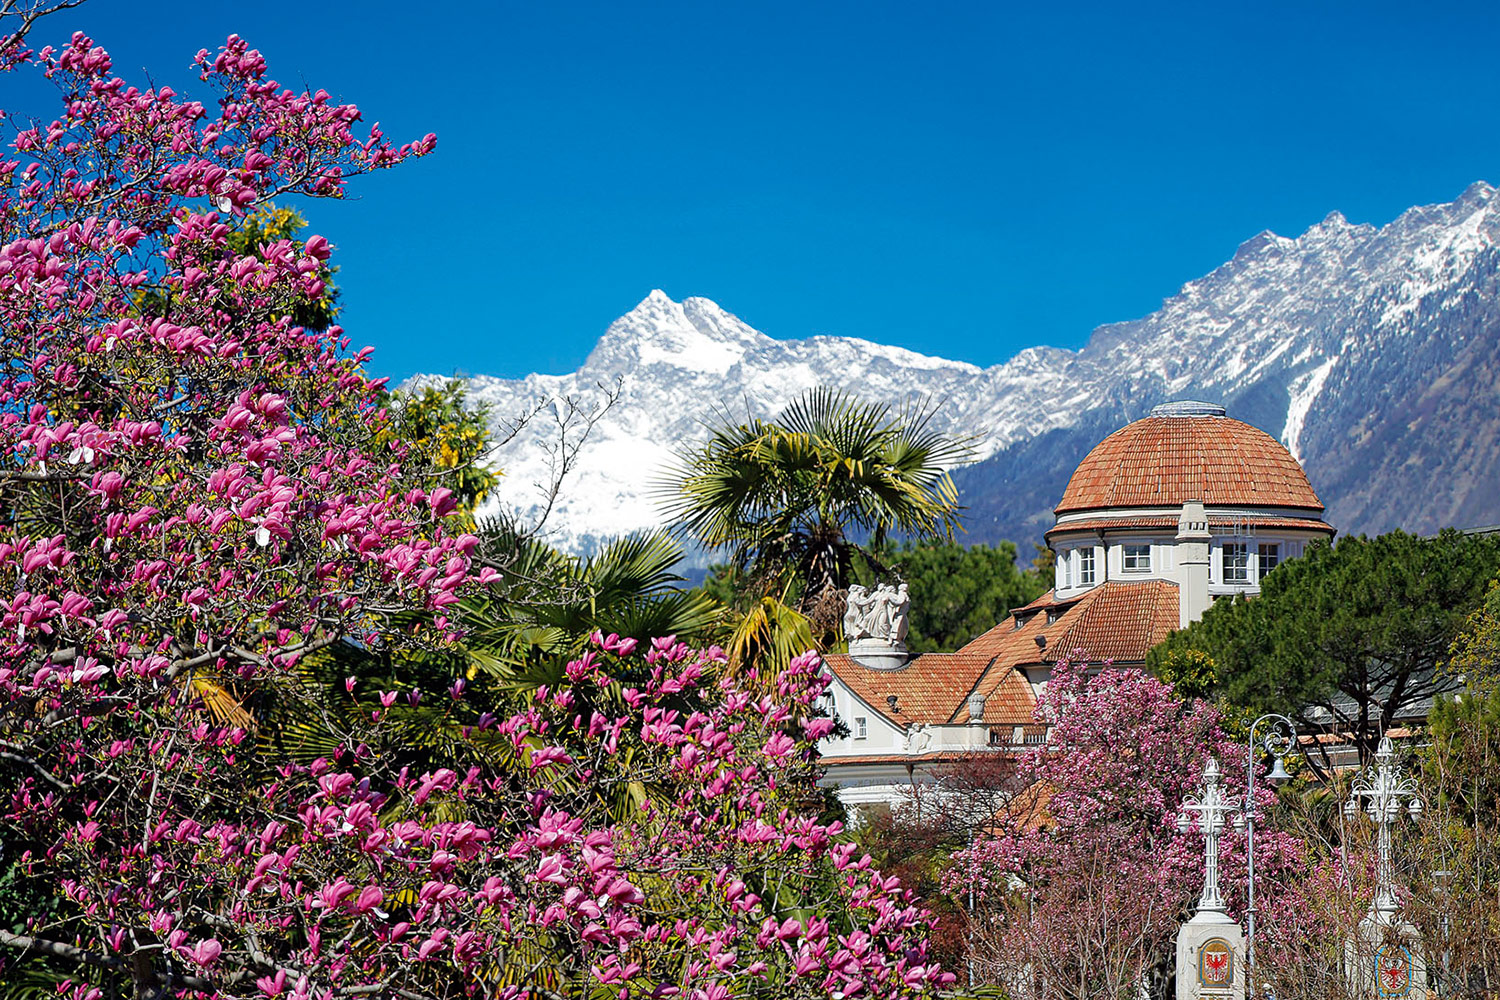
column 205, row 952
column 551, row 870
column 369, row 898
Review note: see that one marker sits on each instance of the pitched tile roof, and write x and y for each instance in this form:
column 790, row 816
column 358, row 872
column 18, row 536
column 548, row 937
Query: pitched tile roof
column 1167, row 461
column 1122, row 622
column 926, row 688
column 1117, row 620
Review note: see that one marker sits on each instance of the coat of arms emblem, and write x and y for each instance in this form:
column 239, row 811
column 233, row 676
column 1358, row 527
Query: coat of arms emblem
column 1216, row 964
column 1392, row 971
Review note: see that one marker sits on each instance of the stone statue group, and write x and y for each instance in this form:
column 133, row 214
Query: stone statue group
column 877, row 614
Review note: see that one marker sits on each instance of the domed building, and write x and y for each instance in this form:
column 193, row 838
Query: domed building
column 1186, row 495
column 1160, row 519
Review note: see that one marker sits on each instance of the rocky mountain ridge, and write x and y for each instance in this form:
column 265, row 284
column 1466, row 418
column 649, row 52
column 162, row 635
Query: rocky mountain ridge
column 1372, row 353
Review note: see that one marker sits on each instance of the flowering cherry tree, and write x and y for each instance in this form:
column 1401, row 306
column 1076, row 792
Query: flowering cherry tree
column 199, row 502
column 1081, row 887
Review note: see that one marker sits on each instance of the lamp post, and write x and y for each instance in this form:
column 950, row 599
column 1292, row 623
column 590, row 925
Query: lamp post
column 1279, row 740
column 1440, row 879
column 1383, row 792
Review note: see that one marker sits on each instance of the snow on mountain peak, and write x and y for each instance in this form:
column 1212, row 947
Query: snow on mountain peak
column 693, row 336
column 1286, row 324
column 1479, row 192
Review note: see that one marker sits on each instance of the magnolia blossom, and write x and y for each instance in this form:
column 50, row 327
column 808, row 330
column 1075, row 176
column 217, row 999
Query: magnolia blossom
column 204, row 513
column 1091, row 850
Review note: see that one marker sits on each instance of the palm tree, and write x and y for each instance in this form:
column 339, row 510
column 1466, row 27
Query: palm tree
column 785, row 496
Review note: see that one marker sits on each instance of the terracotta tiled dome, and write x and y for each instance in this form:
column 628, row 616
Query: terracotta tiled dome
column 1188, row 452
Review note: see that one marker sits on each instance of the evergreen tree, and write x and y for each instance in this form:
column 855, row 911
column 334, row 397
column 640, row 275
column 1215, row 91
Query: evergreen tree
column 1358, row 629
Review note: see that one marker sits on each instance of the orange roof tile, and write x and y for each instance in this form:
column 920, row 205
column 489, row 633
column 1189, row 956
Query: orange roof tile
column 926, row 688
column 1116, row 621
column 1026, row 811
column 1122, row 622
column 1167, row 461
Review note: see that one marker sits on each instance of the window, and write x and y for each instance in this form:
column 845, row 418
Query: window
column 1236, row 562
column 861, row 727
column 1270, row 556
column 1137, row 558
column 1085, row 567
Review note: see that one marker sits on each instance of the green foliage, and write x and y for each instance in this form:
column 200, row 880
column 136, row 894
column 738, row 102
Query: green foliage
column 27, row 976
column 783, row 495
column 1359, row 628
column 957, row 591
column 1463, row 761
column 449, row 435
column 1460, row 829
column 919, row 852
column 545, row 604
column 268, row 224
column 723, row 584
column 1475, row 655
column 1191, row 672
column 766, row 637
column 34, row 977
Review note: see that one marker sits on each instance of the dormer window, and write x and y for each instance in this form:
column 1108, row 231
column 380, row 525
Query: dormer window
column 1137, row 558
column 1085, row 567
column 1236, row 562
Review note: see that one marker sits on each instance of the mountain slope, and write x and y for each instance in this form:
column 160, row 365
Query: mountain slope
column 1374, row 354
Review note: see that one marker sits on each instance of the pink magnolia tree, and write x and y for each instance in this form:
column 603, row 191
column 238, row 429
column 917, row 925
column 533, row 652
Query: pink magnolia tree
column 200, row 503
column 1081, row 886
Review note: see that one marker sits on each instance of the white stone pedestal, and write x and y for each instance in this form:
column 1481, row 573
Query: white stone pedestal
column 878, row 654
column 1384, row 960
column 1210, row 958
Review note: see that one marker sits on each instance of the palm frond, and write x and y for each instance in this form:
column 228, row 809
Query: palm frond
column 769, row 636
column 222, row 703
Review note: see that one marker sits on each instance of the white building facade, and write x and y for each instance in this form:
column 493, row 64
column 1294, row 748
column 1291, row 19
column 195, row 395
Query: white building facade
column 1163, row 517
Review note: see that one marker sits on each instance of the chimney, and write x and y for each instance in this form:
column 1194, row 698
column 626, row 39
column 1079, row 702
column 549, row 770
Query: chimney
column 1192, row 563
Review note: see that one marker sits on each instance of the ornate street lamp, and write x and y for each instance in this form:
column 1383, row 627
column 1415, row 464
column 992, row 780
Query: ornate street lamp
column 1384, row 793
column 1279, row 741
column 1212, row 809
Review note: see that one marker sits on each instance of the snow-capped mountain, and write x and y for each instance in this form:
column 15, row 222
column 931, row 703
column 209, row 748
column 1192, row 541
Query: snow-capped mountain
column 1374, row 354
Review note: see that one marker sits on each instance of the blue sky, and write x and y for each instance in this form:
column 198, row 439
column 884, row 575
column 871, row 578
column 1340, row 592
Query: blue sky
column 960, row 179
